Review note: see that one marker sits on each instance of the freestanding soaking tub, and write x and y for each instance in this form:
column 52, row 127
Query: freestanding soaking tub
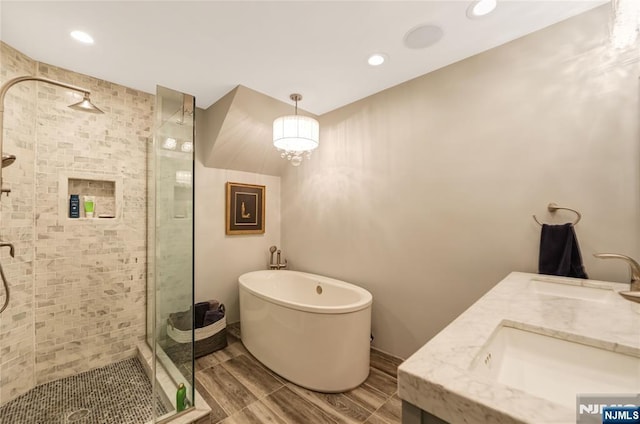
column 312, row 330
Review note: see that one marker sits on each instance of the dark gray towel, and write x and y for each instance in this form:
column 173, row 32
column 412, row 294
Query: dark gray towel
column 181, row 320
column 559, row 252
column 214, row 315
column 201, row 310
column 205, row 313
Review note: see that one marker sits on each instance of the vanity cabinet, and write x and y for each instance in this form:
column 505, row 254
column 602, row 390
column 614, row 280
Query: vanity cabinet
column 413, row 415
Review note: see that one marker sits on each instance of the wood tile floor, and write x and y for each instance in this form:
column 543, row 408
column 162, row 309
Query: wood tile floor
column 240, row 390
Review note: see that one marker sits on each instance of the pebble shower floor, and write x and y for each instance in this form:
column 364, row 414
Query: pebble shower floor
column 119, row 393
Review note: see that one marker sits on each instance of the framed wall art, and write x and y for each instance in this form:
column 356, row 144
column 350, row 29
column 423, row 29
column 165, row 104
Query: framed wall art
column 245, row 209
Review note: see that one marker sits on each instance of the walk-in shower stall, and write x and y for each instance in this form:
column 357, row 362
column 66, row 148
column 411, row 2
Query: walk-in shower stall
column 96, row 252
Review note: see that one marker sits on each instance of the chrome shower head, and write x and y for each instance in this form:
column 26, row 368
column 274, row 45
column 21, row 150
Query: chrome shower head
column 85, row 105
column 7, row 159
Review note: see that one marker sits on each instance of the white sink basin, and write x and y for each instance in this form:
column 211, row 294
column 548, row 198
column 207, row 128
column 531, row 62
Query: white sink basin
column 572, row 290
column 555, row 369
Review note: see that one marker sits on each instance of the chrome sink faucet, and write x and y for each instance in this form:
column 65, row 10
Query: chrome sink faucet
column 634, row 293
column 635, row 267
column 278, row 263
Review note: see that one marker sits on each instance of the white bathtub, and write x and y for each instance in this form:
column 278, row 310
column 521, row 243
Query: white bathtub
column 312, row 330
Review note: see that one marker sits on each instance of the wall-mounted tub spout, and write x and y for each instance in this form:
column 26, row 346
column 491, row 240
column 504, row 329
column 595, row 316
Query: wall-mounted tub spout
column 12, row 250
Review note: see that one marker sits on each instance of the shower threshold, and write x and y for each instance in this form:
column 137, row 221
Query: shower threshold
column 119, row 393
column 167, row 374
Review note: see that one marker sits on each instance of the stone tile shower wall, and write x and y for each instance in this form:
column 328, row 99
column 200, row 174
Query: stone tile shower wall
column 87, row 277
column 17, row 354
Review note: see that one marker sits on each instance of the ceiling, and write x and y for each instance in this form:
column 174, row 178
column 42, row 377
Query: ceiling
column 317, row 48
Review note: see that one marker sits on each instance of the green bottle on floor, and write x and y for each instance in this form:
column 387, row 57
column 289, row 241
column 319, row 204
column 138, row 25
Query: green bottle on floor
column 181, row 396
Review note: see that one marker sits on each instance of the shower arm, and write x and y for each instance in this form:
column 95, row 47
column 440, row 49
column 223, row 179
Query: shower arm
column 3, row 91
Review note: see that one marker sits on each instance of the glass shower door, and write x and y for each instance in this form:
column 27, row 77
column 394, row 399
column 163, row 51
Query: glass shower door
column 170, row 250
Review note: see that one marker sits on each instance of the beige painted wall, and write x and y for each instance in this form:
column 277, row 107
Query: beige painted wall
column 221, row 259
column 423, row 193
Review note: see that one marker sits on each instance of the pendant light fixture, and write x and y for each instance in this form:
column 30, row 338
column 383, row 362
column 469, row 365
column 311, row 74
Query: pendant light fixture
column 295, row 135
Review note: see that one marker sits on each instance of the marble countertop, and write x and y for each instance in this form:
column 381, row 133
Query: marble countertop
column 437, row 378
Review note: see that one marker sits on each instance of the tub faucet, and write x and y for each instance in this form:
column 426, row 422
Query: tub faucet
column 277, row 264
column 635, row 267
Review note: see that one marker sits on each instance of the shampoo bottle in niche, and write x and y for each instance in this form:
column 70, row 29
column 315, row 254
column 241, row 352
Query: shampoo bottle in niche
column 74, row 206
column 89, row 206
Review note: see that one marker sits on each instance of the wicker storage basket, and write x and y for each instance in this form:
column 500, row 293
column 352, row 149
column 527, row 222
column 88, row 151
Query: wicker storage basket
column 207, row 339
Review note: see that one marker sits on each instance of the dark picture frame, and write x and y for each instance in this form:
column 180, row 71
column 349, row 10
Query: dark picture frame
column 245, row 209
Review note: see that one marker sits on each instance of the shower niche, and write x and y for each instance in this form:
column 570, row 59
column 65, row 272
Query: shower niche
column 106, row 191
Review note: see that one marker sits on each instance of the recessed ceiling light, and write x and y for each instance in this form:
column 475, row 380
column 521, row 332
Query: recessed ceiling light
column 423, row 36
column 481, row 8
column 377, row 59
column 82, row 37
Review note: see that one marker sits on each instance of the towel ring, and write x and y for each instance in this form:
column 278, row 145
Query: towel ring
column 553, row 207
